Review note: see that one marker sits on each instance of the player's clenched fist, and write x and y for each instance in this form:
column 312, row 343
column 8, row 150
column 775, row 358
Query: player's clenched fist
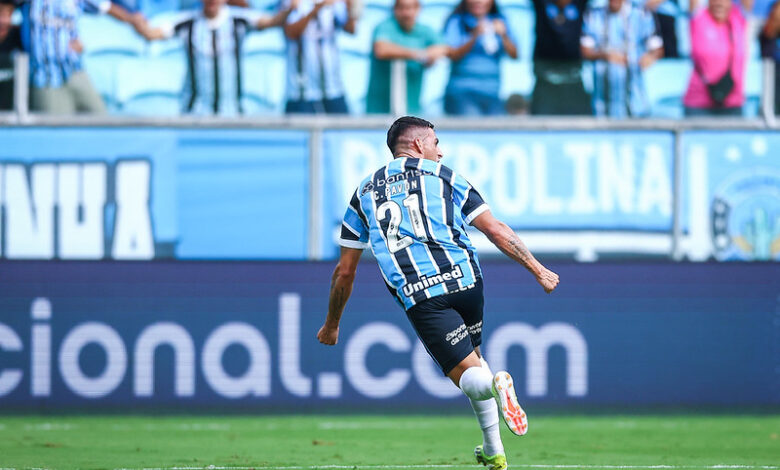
column 328, row 335
column 548, row 279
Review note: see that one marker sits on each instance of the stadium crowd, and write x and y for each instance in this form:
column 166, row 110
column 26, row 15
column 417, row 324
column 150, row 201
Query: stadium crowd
column 617, row 41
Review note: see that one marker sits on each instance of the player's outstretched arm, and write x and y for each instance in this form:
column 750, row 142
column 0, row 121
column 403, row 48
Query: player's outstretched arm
column 279, row 19
column 340, row 290
column 510, row 244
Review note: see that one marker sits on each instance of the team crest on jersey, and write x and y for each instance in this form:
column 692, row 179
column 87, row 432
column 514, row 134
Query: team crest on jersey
column 366, row 188
column 746, row 217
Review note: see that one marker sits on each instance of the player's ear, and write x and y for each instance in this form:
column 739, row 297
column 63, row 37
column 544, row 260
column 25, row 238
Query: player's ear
column 418, row 144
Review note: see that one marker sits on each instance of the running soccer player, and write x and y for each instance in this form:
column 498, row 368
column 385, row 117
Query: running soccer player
column 412, row 212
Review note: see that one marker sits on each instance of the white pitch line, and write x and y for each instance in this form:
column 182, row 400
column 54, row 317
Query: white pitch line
column 369, row 467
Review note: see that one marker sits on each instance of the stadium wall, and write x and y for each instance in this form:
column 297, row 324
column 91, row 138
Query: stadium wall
column 200, row 336
column 158, row 266
column 210, row 193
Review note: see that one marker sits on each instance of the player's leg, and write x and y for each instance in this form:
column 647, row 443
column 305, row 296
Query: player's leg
column 486, row 412
column 476, row 381
column 470, row 304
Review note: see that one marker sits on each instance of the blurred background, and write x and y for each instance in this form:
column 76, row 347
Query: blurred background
column 173, row 176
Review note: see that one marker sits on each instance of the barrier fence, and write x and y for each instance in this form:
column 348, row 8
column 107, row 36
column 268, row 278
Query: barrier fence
column 278, row 189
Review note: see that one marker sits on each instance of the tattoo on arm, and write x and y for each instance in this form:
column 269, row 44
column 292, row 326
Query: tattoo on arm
column 337, row 294
column 518, row 248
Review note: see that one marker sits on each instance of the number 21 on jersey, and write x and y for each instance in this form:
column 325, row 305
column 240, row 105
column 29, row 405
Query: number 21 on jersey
column 394, row 243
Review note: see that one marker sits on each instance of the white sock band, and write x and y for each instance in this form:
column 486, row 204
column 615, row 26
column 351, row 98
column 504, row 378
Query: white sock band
column 487, row 415
column 477, row 383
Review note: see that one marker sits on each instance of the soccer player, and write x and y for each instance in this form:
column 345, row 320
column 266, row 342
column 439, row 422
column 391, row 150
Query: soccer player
column 412, row 212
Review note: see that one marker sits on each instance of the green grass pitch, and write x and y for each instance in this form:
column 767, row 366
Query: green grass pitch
column 419, row 442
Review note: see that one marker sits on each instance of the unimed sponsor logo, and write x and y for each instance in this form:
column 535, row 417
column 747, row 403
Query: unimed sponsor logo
column 134, row 358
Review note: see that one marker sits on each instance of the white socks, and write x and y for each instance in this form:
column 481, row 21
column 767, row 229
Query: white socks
column 487, row 415
column 477, row 383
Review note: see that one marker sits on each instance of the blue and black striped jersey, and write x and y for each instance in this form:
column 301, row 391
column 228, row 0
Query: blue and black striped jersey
column 412, row 213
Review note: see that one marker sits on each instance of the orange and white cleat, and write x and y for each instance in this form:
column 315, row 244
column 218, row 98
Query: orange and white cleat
column 508, row 407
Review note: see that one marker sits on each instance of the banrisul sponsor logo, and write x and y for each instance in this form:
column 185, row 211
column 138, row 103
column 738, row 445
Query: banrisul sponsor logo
column 429, row 281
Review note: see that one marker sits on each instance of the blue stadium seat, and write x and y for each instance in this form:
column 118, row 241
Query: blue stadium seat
column 355, row 71
column 266, row 41
column 267, row 5
column 102, row 71
column 102, row 34
column 360, row 42
column 263, row 78
column 433, row 86
column 434, row 15
column 517, row 3
column 517, row 77
column 666, row 82
column 150, row 86
column 153, row 104
column 522, row 21
column 154, row 7
column 386, row 4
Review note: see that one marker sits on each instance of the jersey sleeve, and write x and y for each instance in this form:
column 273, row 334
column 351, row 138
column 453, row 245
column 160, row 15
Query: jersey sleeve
column 383, row 32
column 650, row 35
column 340, row 14
column 301, row 10
column 467, row 199
column 173, row 25
column 453, row 36
column 250, row 16
column 354, row 232
column 590, row 35
column 96, row 6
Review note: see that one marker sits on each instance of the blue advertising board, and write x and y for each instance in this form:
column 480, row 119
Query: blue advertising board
column 731, row 196
column 228, row 194
column 196, row 336
column 87, row 193
column 553, row 181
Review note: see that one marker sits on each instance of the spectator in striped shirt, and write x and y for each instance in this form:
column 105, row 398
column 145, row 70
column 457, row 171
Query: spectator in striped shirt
column 622, row 41
column 50, row 35
column 10, row 42
column 212, row 38
column 314, row 82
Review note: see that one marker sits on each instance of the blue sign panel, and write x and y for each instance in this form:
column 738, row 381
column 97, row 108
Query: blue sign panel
column 153, row 193
column 555, row 181
column 731, row 196
column 204, row 335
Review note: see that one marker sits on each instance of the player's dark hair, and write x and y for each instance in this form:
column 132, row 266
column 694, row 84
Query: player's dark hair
column 399, row 128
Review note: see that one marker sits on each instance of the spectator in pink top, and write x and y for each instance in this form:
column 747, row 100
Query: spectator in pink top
column 719, row 50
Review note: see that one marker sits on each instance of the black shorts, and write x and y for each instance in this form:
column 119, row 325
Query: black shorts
column 450, row 326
